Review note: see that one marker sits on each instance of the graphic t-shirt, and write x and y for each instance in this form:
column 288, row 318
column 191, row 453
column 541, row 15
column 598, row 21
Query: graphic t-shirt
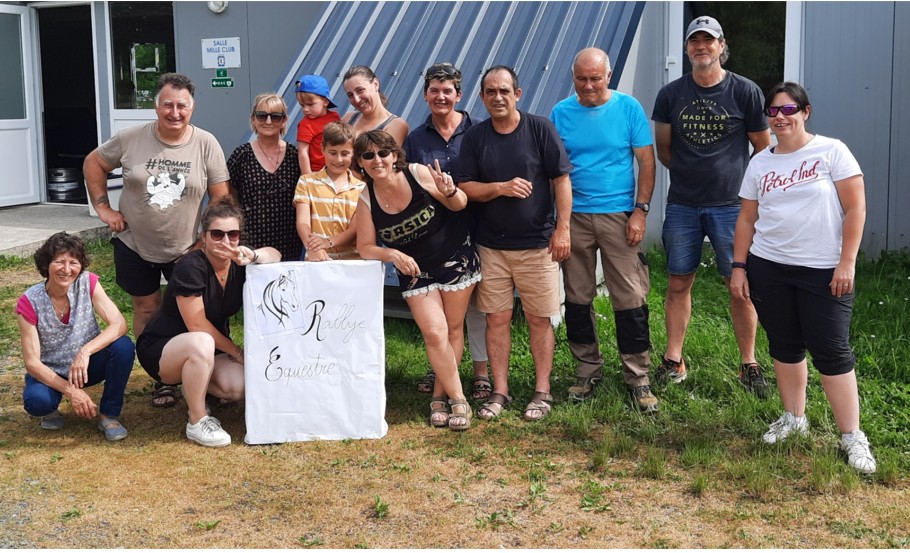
column 800, row 217
column 163, row 187
column 709, row 145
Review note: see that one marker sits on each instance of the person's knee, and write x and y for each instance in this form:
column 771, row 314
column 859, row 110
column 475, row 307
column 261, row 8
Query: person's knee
column 38, row 403
column 435, row 336
column 496, row 321
column 123, row 353
column 633, row 334
column 680, row 285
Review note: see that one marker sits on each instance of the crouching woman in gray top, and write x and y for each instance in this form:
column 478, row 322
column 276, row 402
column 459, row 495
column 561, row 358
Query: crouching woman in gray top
column 63, row 347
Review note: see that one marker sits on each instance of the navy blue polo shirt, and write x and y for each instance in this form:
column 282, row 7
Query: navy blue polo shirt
column 424, row 144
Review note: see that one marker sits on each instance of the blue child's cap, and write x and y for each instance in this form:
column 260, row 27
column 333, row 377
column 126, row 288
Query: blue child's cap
column 315, row 84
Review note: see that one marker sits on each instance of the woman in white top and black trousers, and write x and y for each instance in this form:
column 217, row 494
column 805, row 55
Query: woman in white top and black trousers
column 797, row 238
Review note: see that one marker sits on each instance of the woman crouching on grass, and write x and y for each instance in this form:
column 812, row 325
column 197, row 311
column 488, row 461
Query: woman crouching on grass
column 797, row 237
column 62, row 345
column 411, row 208
column 188, row 341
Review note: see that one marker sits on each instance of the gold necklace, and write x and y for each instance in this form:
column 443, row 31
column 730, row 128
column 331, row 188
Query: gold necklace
column 61, row 313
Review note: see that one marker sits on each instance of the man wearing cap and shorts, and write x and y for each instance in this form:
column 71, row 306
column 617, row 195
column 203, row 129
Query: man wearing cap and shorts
column 514, row 166
column 168, row 167
column 704, row 124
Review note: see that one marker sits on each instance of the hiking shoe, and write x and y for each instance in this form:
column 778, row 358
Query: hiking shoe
column 784, row 426
column 856, row 446
column 643, row 397
column 207, row 431
column 752, row 379
column 674, row 371
column 583, row 388
column 52, row 421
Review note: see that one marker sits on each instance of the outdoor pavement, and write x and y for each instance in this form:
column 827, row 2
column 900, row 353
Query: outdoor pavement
column 24, row 228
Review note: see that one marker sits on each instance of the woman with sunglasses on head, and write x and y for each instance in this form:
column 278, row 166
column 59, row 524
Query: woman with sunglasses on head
column 188, row 341
column 797, row 238
column 264, row 175
column 362, row 88
column 410, row 208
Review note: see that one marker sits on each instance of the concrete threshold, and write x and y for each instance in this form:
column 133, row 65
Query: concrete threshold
column 24, row 228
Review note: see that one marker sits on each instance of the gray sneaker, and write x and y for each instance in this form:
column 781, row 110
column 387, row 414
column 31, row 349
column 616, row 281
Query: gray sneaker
column 784, row 426
column 856, row 446
column 112, row 429
column 583, row 388
column 643, row 397
column 208, row 432
column 52, row 421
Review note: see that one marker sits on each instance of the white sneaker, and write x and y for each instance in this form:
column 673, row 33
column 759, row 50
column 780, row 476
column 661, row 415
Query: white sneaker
column 784, row 426
column 208, row 432
column 856, row 446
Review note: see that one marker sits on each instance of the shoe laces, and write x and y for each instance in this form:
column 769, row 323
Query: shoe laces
column 211, row 425
column 787, row 420
column 856, row 444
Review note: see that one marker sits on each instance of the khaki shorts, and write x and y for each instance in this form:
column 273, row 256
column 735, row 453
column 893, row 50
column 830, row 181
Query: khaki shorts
column 532, row 272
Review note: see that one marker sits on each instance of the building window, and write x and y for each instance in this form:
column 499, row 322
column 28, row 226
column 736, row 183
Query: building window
column 142, row 38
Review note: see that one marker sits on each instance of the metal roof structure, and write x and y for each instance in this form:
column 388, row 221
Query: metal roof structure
column 399, row 40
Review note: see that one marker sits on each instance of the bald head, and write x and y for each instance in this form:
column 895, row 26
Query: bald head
column 591, row 75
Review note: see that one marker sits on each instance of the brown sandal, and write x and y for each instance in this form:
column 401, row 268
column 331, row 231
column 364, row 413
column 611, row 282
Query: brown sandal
column 540, row 401
column 461, row 411
column 482, row 387
column 493, row 406
column 439, row 412
column 425, row 386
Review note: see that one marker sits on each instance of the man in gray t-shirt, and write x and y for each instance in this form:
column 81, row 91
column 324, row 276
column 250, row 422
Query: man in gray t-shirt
column 705, row 122
column 168, row 166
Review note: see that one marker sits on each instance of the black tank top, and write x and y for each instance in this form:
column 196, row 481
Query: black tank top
column 425, row 229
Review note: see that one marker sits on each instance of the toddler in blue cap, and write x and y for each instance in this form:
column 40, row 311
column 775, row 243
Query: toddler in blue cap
column 313, row 97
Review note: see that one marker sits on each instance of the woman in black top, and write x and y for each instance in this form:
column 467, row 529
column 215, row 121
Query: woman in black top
column 411, row 211
column 188, row 339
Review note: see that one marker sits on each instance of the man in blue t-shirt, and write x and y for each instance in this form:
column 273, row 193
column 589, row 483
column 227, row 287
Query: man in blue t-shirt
column 704, row 124
column 516, row 169
column 604, row 133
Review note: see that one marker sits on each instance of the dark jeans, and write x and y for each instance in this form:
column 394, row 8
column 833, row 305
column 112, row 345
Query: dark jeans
column 112, row 365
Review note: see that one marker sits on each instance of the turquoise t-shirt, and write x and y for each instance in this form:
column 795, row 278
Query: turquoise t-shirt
column 599, row 142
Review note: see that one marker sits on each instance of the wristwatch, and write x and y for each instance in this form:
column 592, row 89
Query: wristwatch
column 646, row 207
column 738, row 265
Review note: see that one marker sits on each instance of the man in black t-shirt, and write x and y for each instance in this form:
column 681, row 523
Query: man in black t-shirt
column 514, row 165
column 704, row 124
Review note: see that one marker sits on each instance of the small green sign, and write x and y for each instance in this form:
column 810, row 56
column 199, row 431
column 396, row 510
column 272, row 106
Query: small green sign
column 221, row 73
column 226, row 82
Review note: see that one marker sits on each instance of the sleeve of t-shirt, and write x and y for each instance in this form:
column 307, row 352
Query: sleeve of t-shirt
column 409, row 154
column 92, row 282
column 466, row 168
column 306, row 131
column 111, row 152
column 25, row 308
column 302, row 192
column 661, row 111
column 749, row 188
column 641, row 130
column 556, row 160
column 215, row 167
column 753, row 113
column 233, row 165
column 843, row 163
column 190, row 276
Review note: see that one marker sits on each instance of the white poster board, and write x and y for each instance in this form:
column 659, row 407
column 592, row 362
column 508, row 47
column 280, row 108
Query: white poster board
column 314, row 350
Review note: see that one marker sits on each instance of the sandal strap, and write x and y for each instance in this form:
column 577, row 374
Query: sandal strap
column 498, row 399
column 542, row 397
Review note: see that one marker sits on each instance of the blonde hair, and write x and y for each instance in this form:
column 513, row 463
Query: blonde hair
column 273, row 103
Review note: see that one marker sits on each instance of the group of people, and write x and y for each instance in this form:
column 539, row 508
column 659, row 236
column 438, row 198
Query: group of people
column 469, row 213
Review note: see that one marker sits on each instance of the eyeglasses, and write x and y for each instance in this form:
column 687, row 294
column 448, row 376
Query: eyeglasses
column 370, row 155
column 788, row 109
column 261, row 116
column 442, row 70
column 218, row 234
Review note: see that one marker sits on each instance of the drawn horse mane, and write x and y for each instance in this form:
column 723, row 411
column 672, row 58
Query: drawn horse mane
column 279, row 298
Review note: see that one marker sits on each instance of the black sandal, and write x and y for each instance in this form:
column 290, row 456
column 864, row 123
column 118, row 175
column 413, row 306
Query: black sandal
column 164, row 392
column 482, row 387
column 426, row 385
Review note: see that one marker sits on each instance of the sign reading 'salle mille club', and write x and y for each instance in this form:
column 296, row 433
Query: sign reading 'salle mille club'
column 314, row 351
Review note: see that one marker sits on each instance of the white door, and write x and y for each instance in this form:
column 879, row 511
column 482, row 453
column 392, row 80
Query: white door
column 19, row 178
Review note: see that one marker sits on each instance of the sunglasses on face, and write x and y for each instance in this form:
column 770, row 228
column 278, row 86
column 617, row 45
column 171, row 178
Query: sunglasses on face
column 370, row 155
column 218, row 235
column 788, row 109
column 261, row 116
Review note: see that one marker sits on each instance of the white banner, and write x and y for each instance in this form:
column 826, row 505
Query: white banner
column 314, row 351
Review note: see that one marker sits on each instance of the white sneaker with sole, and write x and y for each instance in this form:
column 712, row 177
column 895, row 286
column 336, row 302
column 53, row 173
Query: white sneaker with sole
column 207, row 431
column 784, row 426
column 856, row 446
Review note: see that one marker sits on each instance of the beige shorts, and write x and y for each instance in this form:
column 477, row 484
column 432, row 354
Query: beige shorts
column 532, row 272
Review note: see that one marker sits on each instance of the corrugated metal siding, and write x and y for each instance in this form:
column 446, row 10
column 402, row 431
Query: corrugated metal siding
column 858, row 94
column 399, row 40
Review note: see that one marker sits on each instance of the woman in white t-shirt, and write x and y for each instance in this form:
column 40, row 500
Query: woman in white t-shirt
column 797, row 237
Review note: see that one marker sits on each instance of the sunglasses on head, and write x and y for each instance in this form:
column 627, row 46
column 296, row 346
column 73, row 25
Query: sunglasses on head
column 787, row 109
column 442, row 70
column 218, row 234
column 370, row 155
column 261, row 116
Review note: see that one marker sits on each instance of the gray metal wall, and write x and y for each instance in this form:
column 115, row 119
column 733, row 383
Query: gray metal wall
column 856, row 68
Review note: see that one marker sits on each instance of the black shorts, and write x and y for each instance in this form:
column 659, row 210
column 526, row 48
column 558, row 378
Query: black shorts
column 135, row 275
column 148, row 352
column 798, row 312
column 460, row 271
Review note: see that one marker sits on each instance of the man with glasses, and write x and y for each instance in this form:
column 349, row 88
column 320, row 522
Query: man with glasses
column 516, row 169
column 605, row 132
column 168, row 166
column 704, row 124
column 439, row 139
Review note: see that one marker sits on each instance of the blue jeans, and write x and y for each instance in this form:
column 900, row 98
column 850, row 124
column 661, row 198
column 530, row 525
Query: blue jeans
column 684, row 234
column 112, row 365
